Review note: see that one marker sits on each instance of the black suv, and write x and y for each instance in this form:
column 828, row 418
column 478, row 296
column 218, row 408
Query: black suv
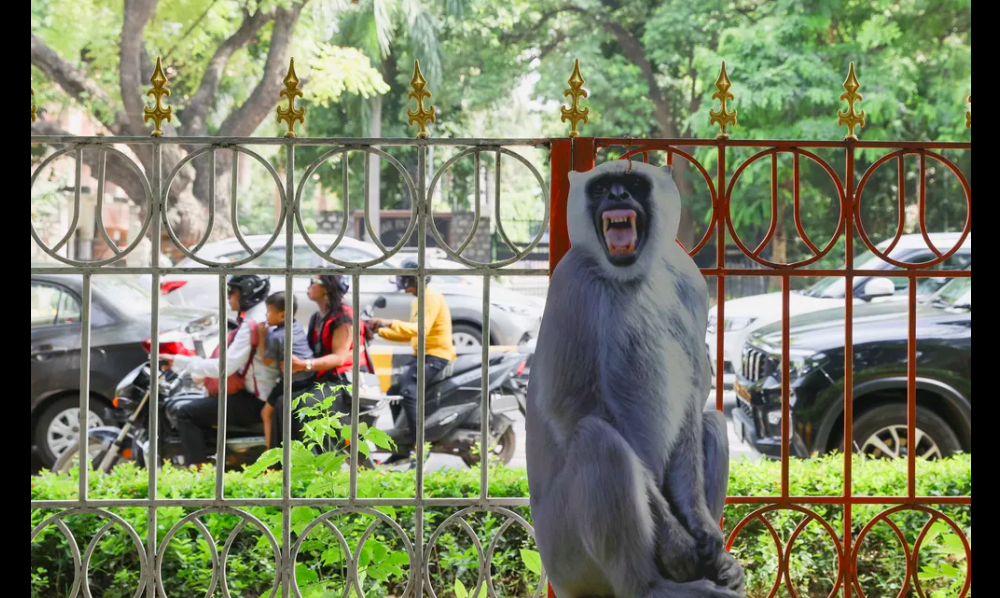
column 944, row 380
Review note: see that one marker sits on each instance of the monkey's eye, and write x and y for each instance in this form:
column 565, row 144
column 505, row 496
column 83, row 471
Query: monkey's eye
column 599, row 189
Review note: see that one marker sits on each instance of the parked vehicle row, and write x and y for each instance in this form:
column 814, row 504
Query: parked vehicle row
column 816, row 380
column 514, row 317
column 748, row 314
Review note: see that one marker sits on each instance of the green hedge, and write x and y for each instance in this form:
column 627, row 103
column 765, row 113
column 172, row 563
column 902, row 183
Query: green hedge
column 320, row 570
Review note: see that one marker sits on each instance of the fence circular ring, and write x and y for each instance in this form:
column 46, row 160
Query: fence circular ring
column 327, row 255
column 884, row 255
column 512, row 518
column 519, row 254
column 459, row 519
column 254, row 254
column 218, row 565
column 912, row 555
column 118, row 255
column 811, row 516
column 81, row 580
column 727, row 209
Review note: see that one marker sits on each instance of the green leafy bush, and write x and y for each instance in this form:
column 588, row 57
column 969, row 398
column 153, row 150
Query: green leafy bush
column 454, row 562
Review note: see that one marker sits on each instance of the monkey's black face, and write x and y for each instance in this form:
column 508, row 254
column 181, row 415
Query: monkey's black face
column 620, row 204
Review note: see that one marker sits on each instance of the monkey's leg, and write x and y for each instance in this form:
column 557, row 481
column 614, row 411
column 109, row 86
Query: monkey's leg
column 716, row 443
column 602, row 493
column 695, row 490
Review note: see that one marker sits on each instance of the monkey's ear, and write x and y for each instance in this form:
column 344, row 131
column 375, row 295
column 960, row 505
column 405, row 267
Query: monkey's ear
column 668, row 170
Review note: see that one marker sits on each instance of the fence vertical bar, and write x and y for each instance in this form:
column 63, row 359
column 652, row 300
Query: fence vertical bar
column 484, row 439
column 287, row 566
column 720, row 208
column 422, row 211
column 850, row 214
column 223, row 412
column 83, row 435
column 911, row 392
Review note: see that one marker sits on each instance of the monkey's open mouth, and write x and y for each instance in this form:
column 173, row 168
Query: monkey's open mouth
column 621, row 232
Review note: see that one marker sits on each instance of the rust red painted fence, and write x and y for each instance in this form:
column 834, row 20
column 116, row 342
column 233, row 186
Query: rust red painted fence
column 581, row 154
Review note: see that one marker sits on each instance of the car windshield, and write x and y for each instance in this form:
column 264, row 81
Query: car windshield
column 957, row 293
column 833, row 287
column 125, row 293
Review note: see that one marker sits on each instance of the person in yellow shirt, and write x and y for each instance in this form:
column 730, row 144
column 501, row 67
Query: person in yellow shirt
column 439, row 348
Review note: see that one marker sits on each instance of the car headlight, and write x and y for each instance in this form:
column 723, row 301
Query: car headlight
column 734, row 324
column 801, row 363
column 519, row 310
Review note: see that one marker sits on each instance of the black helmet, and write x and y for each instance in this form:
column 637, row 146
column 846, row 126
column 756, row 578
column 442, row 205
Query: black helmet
column 406, row 282
column 336, row 285
column 253, row 290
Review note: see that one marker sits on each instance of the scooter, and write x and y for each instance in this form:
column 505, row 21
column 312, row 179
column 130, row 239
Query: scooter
column 453, row 412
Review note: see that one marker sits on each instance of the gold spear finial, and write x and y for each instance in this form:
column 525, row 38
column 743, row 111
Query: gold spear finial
column 422, row 115
column 851, row 118
column 723, row 117
column 290, row 115
column 573, row 113
column 968, row 115
column 34, row 109
column 158, row 113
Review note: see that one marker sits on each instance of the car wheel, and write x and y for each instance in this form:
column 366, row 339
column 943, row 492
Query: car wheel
column 881, row 433
column 465, row 336
column 58, row 429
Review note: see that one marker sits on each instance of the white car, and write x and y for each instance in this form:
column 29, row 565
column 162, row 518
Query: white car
column 747, row 314
column 514, row 320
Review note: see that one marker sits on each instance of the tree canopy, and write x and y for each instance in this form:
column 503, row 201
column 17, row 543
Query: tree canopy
column 499, row 69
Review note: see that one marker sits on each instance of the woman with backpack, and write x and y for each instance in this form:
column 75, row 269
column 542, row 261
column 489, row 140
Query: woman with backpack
column 249, row 381
column 331, row 335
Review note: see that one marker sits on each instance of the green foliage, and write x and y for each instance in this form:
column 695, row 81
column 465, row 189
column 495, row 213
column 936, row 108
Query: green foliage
column 453, row 557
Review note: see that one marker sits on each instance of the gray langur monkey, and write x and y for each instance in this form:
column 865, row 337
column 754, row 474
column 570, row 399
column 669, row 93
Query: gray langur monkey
column 628, row 474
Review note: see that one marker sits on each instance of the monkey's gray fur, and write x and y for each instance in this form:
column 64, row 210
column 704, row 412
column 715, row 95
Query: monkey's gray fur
column 628, row 475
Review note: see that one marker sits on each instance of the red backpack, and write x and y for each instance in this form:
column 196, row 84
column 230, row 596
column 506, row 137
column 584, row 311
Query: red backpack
column 236, row 382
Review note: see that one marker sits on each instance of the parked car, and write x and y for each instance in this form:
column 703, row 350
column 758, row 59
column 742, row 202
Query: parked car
column 515, row 318
column 748, row 314
column 120, row 327
column 944, row 380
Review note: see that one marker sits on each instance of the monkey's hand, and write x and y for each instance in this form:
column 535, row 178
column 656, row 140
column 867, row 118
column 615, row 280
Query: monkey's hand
column 717, row 564
column 677, row 552
column 728, row 572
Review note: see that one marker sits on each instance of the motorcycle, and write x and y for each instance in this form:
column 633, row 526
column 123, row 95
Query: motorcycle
column 128, row 440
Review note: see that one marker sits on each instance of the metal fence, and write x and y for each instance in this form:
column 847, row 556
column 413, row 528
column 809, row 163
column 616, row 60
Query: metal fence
column 565, row 155
column 289, row 225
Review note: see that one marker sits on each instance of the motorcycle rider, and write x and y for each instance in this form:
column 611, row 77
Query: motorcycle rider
column 197, row 418
column 439, row 352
